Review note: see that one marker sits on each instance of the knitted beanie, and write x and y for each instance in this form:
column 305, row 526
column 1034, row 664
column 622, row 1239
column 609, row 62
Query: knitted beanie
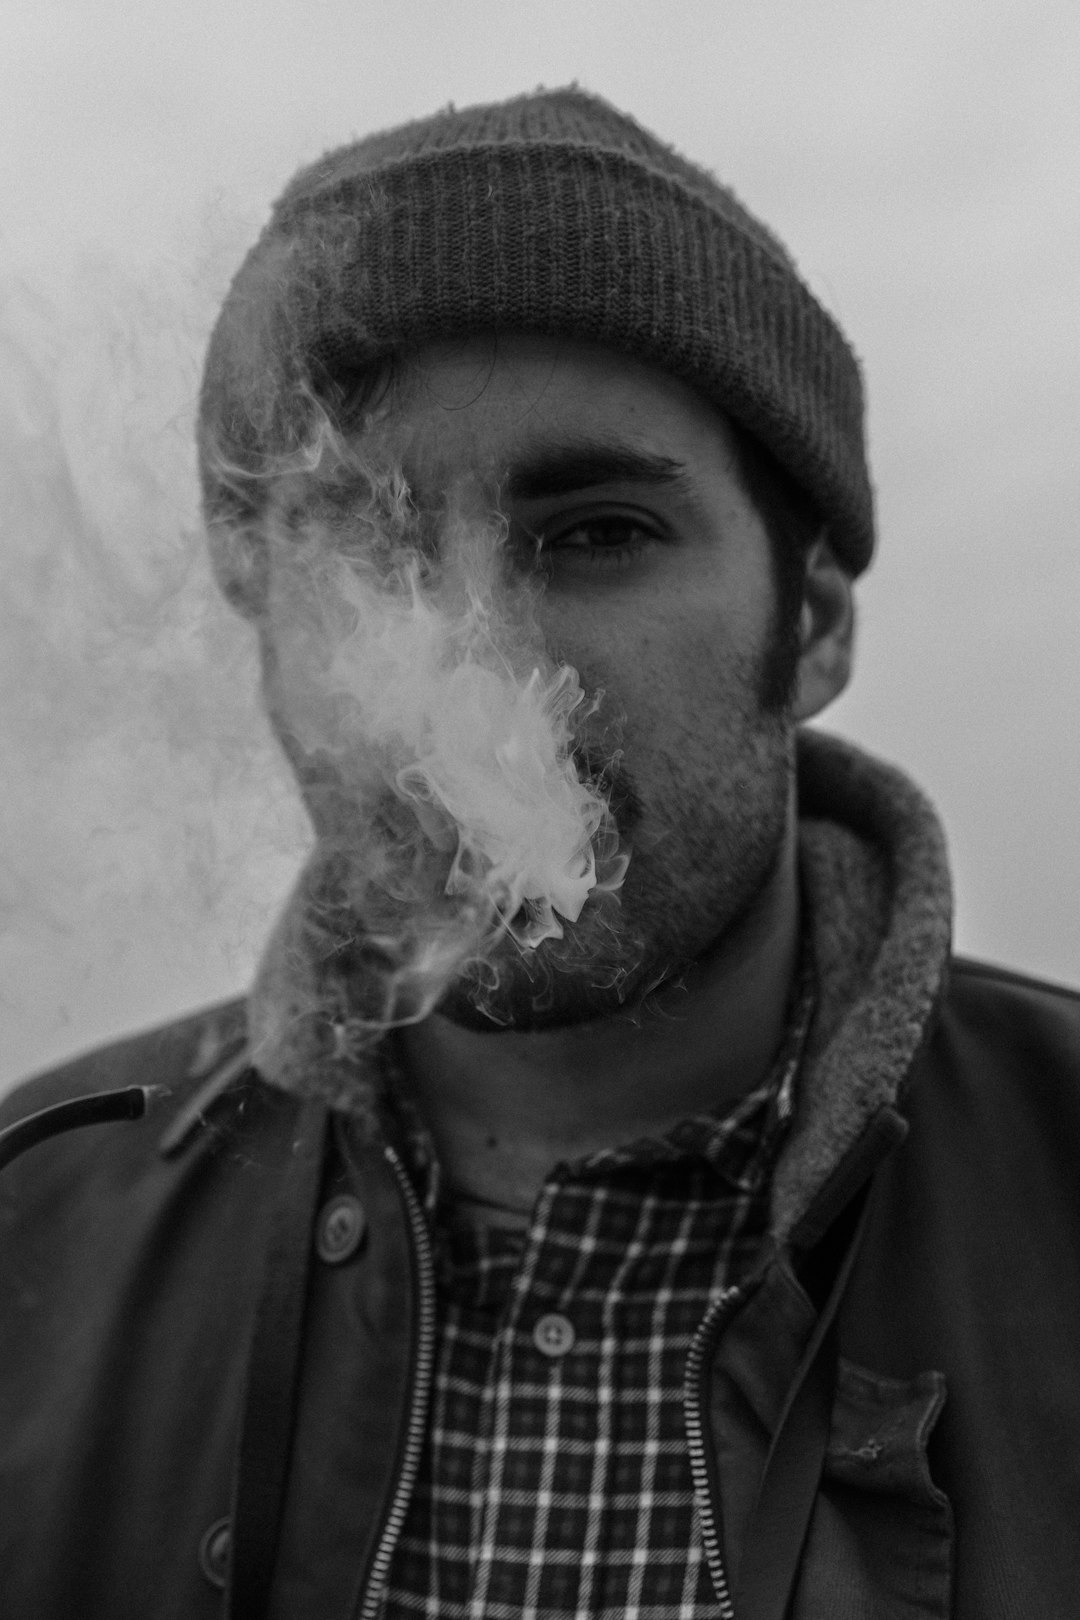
column 553, row 214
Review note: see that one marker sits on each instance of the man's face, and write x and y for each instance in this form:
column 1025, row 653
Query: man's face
column 622, row 497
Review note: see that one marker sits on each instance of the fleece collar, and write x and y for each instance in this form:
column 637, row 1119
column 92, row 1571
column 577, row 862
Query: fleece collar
column 878, row 905
column 878, row 902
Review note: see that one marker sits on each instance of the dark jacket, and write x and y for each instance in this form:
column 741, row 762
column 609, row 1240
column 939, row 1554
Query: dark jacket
column 889, row 1414
column 131, row 1279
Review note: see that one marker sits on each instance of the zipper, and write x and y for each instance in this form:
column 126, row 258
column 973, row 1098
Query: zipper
column 694, row 1404
column 420, row 1392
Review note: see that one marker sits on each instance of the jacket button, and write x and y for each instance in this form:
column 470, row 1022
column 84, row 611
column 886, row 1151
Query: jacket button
column 554, row 1335
column 341, row 1228
column 214, row 1550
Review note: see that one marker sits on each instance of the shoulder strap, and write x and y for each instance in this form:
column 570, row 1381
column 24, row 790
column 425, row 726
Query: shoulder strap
column 273, row 1369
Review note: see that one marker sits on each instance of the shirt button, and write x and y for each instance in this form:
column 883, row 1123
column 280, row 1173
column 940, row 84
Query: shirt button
column 214, row 1550
column 341, row 1228
column 554, row 1335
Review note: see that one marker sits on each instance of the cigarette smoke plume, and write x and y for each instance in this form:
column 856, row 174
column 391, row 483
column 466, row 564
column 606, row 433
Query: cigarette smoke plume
column 436, row 740
column 149, row 834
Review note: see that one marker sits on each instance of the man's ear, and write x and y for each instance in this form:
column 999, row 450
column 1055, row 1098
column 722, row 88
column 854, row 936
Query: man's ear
column 826, row 632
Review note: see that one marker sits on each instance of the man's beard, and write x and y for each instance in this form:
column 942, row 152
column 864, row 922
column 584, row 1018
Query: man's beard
column 689, row 884
column 703, row 848
column 688, row 888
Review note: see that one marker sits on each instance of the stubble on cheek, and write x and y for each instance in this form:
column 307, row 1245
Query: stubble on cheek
column 705, row 836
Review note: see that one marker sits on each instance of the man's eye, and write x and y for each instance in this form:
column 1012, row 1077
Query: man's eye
column 607, row 540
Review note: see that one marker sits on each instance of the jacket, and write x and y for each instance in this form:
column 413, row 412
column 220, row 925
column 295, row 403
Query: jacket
column 212, row 1388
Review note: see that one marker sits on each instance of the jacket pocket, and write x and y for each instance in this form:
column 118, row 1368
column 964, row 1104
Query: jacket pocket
column 879, row 1545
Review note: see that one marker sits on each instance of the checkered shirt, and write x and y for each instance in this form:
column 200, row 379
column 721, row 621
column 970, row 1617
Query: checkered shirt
column 555, row 1479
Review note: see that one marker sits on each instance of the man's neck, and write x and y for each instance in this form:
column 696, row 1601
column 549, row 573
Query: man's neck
column 505, row 1108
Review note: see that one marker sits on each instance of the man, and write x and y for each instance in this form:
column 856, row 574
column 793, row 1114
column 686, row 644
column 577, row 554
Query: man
column 662, row 1224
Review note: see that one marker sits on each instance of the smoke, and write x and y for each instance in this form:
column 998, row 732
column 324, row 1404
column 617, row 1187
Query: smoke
column 442, row 752
column 148, row 830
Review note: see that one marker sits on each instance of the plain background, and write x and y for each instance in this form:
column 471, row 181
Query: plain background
column 923, row 163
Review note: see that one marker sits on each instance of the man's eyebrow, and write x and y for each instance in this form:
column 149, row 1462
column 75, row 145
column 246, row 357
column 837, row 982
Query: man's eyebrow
column 563, row 468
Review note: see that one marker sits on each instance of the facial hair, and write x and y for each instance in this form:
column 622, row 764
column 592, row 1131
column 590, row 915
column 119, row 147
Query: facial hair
column 703, row 853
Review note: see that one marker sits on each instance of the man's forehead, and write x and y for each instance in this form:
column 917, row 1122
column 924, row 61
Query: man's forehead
column 535, row 418
column 538, row 470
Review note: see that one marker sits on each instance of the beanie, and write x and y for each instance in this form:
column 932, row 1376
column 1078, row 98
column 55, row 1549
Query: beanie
column 551, row 214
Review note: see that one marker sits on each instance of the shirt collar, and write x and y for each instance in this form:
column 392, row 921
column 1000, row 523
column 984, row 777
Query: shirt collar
column 739, row 1143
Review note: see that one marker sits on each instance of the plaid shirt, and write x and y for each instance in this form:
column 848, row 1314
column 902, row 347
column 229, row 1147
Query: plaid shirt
column 555, row 1480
